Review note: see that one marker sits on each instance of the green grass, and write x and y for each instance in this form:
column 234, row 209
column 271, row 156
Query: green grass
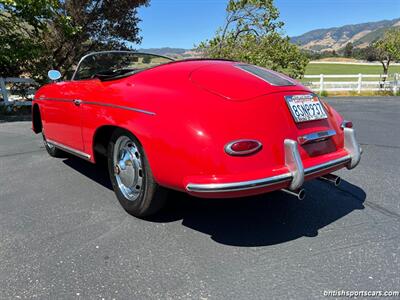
column 316, row 69
column 346, row 69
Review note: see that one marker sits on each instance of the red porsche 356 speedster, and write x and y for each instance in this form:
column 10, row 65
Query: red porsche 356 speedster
column 211, row 128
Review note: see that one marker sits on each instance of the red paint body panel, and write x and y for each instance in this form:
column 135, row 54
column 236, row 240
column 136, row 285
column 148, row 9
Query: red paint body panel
column 198, row 107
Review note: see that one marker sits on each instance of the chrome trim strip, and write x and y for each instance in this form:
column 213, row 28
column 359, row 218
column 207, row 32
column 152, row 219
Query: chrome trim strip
column 80, row 102
column 316, row 136
column 237, row 186
column 120, row 107
column 327, row 165
column 69, row 149
column 259, row 183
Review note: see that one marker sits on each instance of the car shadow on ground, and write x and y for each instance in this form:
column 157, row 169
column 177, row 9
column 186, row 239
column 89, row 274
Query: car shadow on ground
column 263, row 220
column 97, row 173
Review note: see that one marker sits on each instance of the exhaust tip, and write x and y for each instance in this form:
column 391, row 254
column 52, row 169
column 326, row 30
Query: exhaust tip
column 301, row 194
column 335, row 180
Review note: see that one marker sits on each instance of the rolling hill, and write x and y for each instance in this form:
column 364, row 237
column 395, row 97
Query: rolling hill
column 336, row 38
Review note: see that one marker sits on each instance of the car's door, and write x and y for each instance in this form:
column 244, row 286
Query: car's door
column 62, row 114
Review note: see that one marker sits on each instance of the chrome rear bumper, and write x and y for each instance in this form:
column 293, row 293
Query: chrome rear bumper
column 294, row 163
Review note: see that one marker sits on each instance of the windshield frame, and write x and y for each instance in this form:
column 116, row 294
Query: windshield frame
column 117, row 51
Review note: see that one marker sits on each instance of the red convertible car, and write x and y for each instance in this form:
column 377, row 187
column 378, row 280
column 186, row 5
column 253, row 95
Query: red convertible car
column 211, row 128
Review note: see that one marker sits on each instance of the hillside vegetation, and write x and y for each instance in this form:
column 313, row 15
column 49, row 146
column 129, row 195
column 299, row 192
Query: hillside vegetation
column 336, row 38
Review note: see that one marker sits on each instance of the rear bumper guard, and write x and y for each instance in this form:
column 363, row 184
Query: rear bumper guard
column 294, row 163
column 351, row 146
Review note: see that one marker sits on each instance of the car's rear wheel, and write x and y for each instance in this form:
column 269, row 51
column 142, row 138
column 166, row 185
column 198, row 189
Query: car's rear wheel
column 131, row 176
column 52, row 149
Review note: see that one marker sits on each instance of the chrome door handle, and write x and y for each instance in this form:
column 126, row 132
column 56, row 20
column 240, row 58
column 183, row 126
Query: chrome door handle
column 77, row 102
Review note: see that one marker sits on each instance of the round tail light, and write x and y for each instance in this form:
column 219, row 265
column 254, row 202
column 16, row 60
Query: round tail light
column 243, row 147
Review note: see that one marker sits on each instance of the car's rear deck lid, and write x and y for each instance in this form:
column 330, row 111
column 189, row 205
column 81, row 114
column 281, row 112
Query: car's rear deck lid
column 237, row 81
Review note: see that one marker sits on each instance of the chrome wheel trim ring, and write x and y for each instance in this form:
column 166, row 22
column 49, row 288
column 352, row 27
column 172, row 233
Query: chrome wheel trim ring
column 128, row 168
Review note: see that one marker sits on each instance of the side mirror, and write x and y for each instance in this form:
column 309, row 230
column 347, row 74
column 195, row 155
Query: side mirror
column 54, row 75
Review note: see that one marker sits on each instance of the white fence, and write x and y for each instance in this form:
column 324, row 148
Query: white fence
column 12, row 90
column 17, row 90
column 361, row 82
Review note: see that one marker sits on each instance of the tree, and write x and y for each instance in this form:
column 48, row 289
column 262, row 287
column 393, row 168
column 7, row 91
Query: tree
column 368, row 53
column 388, row 49
column 252, row 34
column 22, row 23
column 44, row 34
column 348, row 50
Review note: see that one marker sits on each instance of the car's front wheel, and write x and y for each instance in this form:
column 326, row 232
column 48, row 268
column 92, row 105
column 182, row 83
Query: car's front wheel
column 131, row 176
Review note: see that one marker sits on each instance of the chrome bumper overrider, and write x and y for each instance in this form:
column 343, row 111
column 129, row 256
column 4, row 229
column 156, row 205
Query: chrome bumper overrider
column 294, row 163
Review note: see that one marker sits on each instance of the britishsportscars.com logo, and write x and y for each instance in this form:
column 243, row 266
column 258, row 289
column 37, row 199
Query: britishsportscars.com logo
column 354, row 294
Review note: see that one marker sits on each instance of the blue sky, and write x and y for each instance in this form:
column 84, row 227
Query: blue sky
column 183, row 23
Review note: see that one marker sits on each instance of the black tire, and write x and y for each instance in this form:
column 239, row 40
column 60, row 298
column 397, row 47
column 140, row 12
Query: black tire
column 150, row 198
column 51, row 149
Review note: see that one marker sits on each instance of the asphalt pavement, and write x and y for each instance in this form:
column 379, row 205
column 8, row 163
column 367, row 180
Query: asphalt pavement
column 63, row 235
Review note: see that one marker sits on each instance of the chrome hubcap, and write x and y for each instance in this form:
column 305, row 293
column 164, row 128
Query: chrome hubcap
column 128, row 168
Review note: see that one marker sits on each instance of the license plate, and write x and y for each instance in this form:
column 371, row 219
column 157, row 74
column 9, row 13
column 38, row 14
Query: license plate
column 305, row 107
